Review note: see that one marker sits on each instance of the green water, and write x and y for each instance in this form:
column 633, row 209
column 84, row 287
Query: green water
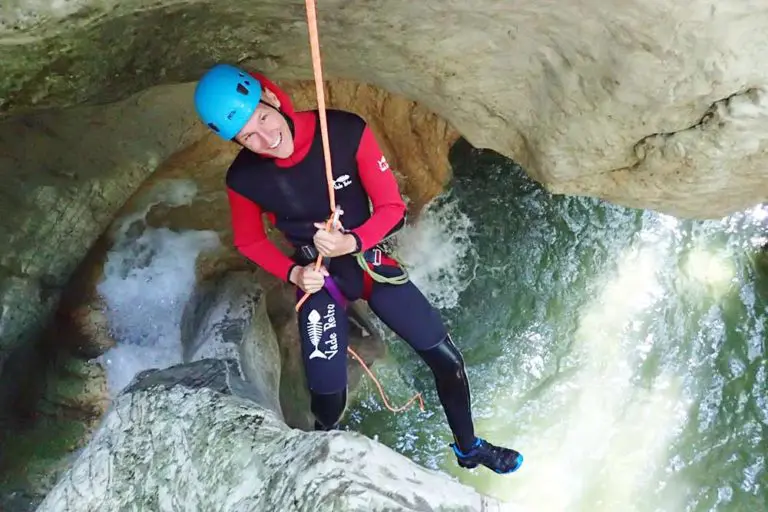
column 622, row 352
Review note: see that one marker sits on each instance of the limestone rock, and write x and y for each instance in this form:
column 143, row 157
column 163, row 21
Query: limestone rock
column 89, row 328
column 227, row 318
column 191, row 438
column 710, row 169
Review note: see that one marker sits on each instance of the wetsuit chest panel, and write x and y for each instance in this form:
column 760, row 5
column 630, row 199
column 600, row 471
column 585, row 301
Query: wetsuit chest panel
column 298, row 196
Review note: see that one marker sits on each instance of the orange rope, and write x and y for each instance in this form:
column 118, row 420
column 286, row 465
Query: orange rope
column 417, row 396
column 320, row 90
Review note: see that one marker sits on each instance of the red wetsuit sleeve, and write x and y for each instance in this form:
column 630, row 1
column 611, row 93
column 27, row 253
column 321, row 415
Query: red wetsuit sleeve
column 381, row 187
column 251, row 240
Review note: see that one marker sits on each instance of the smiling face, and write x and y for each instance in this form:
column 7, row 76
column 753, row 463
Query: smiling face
column 267, row 132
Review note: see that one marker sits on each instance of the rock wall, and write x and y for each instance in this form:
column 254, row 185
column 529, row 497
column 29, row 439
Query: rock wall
column 37, row 444
column 648, row 103
column 65, row 174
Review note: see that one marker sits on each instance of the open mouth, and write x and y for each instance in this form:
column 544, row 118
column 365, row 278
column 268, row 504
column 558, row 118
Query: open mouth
column 277, row 141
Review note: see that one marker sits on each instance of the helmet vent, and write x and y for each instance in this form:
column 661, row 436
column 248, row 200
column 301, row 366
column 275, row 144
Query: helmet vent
column 213, row 127
column 242, row 89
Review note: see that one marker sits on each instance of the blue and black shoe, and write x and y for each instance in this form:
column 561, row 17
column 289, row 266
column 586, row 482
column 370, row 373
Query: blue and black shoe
column 319, row 426
column 499, row 459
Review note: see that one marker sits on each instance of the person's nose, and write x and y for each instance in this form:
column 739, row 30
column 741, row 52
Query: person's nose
column 265, row 136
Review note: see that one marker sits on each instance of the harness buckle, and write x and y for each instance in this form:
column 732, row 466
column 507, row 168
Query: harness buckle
column 309, row 252
column 376, row 256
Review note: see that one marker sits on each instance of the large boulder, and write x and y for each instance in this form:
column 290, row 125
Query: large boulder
column 195, row 437
column 227, row 318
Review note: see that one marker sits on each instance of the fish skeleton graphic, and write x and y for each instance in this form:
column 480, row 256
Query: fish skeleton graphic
column 315, row 331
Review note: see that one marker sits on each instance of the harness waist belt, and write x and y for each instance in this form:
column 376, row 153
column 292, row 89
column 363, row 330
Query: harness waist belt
column 308, row 254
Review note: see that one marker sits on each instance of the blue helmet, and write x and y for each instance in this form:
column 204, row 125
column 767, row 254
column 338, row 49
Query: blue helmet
column 225, row 99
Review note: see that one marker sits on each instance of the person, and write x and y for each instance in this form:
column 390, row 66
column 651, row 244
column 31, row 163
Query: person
column 280, row 174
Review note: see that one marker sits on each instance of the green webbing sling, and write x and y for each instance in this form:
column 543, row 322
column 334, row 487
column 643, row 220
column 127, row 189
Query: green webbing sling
column 378, row 277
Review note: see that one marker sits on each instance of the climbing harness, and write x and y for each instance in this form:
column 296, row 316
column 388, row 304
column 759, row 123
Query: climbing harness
column 368, row 260
column 336, row 211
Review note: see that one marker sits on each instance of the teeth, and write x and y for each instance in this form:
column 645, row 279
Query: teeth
column 277, row 142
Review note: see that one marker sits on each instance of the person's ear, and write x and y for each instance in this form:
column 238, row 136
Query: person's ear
column 271, row 98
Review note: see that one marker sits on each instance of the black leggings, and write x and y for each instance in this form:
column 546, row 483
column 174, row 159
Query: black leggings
column 323, row 325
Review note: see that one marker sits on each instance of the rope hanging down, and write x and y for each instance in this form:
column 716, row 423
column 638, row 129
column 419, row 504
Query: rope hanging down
column 320, row 91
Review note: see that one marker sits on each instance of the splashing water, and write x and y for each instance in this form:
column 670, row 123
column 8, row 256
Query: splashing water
column 148, row 278
column 437, row 251
column 623, row 352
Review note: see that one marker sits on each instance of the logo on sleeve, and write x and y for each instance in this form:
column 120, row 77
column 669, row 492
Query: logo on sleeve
column 383, row 165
